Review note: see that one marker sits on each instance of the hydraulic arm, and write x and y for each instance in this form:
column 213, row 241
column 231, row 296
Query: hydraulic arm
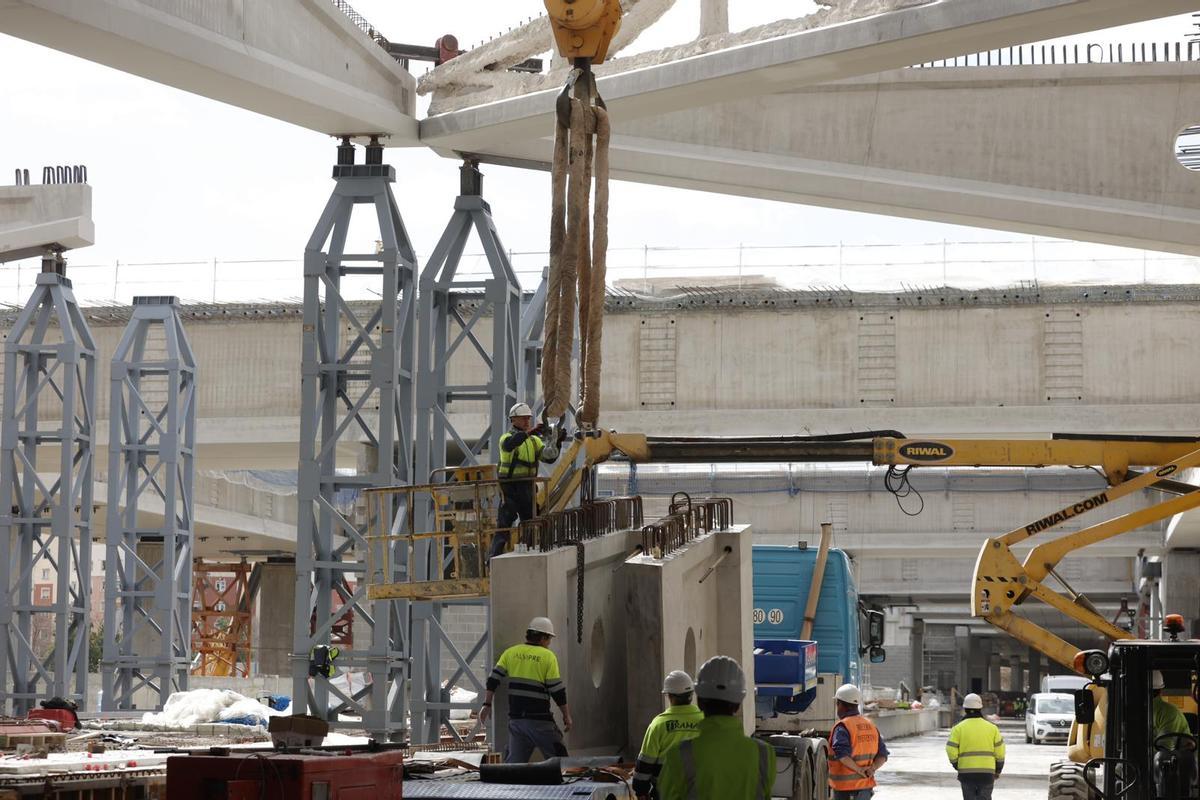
column 1001, row 581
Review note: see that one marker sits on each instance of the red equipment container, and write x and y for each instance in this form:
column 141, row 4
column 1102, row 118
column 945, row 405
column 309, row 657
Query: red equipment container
column 294, row 776
column 65, row 718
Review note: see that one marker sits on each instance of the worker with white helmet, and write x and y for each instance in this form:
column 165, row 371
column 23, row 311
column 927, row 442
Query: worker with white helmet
column 531, row 670
column 1167, row 717
column 680, row 721
column 976, row 750
column 521, row 450
column 722, row 762
column 858, row 750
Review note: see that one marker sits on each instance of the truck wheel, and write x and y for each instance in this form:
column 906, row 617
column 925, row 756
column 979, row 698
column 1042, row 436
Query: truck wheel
column 820, row 771
column 1067, row 782
column 802, row 780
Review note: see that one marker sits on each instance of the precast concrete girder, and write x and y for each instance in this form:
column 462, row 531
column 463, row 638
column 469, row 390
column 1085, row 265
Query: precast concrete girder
column 819, row 55
column 307, row 63
column 151, row 447
column 49, row 400
column 34, row 217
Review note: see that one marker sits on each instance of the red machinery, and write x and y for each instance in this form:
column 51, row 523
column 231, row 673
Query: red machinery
column 308, row 775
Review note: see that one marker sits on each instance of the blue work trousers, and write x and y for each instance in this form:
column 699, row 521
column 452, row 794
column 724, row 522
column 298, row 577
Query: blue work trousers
column 526, row 735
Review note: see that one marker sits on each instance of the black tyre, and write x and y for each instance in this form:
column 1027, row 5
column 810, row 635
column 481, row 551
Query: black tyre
column 1067, row 782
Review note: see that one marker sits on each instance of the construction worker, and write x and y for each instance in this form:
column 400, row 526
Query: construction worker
column 533, row 681
column 521, row 450
column 1167, row 718
column 858, row 749
column 680, row 721
column 976, row 750
column 722, row 762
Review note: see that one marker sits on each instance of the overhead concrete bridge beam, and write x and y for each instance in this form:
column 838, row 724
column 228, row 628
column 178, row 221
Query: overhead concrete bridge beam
column 301, row 61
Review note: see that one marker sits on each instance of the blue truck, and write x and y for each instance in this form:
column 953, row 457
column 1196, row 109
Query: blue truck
column 795, row 678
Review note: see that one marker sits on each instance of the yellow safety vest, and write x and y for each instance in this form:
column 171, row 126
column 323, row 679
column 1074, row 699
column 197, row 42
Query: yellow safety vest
column 521, row 461
column 533, row 679
column 975, row 747
column 676, row 724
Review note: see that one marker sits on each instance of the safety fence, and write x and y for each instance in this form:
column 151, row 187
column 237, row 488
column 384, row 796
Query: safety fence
column 1030, row 55
column 655, row 269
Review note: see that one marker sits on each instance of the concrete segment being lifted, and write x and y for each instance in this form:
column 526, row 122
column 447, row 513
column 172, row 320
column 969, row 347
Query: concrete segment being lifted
column 306, row 63
column 819, row 55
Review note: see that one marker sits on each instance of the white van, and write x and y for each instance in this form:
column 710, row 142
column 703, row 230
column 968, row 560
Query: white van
column 1048, row 717
column 1063, row 683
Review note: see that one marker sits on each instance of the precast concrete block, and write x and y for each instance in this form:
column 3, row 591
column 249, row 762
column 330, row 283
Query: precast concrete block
column 593, row 665
column 678, row 616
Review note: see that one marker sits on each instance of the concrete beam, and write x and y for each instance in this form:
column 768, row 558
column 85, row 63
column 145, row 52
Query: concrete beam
column 35, row 217
column 820, row 55
column 987, row 147
column 301, row 61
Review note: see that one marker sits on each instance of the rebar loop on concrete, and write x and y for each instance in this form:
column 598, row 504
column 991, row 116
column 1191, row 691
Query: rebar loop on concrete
column 588, row 521
column 685, row 521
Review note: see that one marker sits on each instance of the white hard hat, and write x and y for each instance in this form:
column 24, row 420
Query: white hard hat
column 677, row 682
column 848, row 693
column 541, row 625
column 973, row 701
column 721, row 678
column 520, row 410
column 1156, row 680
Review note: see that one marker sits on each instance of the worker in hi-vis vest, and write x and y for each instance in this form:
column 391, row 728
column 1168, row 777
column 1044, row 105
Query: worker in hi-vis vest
column 722, row 762
column 521, row 451
column 976, row 750
column 680, row 721
column 531, row 670
column 857, row 750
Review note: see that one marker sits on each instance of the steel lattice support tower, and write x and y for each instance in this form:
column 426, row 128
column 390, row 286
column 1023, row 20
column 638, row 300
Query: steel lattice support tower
column 151, row 446
column 49, row 402
column 356, row 389
column 447, row 322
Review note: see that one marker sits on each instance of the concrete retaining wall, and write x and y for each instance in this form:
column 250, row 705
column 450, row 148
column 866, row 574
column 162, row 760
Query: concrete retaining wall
column 527, row 585
column 676, row 622
column 897, row 724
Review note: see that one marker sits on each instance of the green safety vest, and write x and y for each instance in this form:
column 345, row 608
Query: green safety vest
column 721, row 763
column 975, row 747
column 1169, row 719
column 675, row 725
column 533, row 677
column 520, row 462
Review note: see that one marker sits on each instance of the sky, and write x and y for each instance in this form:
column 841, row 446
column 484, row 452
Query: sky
column 180, row 178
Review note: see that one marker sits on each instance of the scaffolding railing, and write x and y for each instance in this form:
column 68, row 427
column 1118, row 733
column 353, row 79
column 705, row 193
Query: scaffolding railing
column 466, row 504
column 1075, row 53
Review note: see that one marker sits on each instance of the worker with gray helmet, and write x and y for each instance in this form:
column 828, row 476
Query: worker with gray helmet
column 521, row 450
column 857, row 750
column 722, row 762
column 531, row 670
column 680, row 721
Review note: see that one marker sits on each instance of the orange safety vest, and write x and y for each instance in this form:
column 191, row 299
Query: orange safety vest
column 864, row 747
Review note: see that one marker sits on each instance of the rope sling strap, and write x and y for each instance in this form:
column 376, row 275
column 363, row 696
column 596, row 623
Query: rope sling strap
column 578, row 248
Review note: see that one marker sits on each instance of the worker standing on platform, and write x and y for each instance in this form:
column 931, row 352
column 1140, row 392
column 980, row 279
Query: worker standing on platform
column 722, row 762
column 681, row 721
column 521, row 450
column 976, row 749
column 533, row 681
column 858, row 749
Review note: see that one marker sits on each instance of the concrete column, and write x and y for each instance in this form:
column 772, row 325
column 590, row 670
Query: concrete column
column 275, row 601
column 1035, row 670
column 977, row 675
column 1180, row 586
column 1018, row 675
column 962, row 652
column 714, row 17
column 993, row 672
column 917, row 670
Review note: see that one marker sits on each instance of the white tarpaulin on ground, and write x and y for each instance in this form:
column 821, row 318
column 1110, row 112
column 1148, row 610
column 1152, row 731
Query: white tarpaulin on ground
column 198, row 706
